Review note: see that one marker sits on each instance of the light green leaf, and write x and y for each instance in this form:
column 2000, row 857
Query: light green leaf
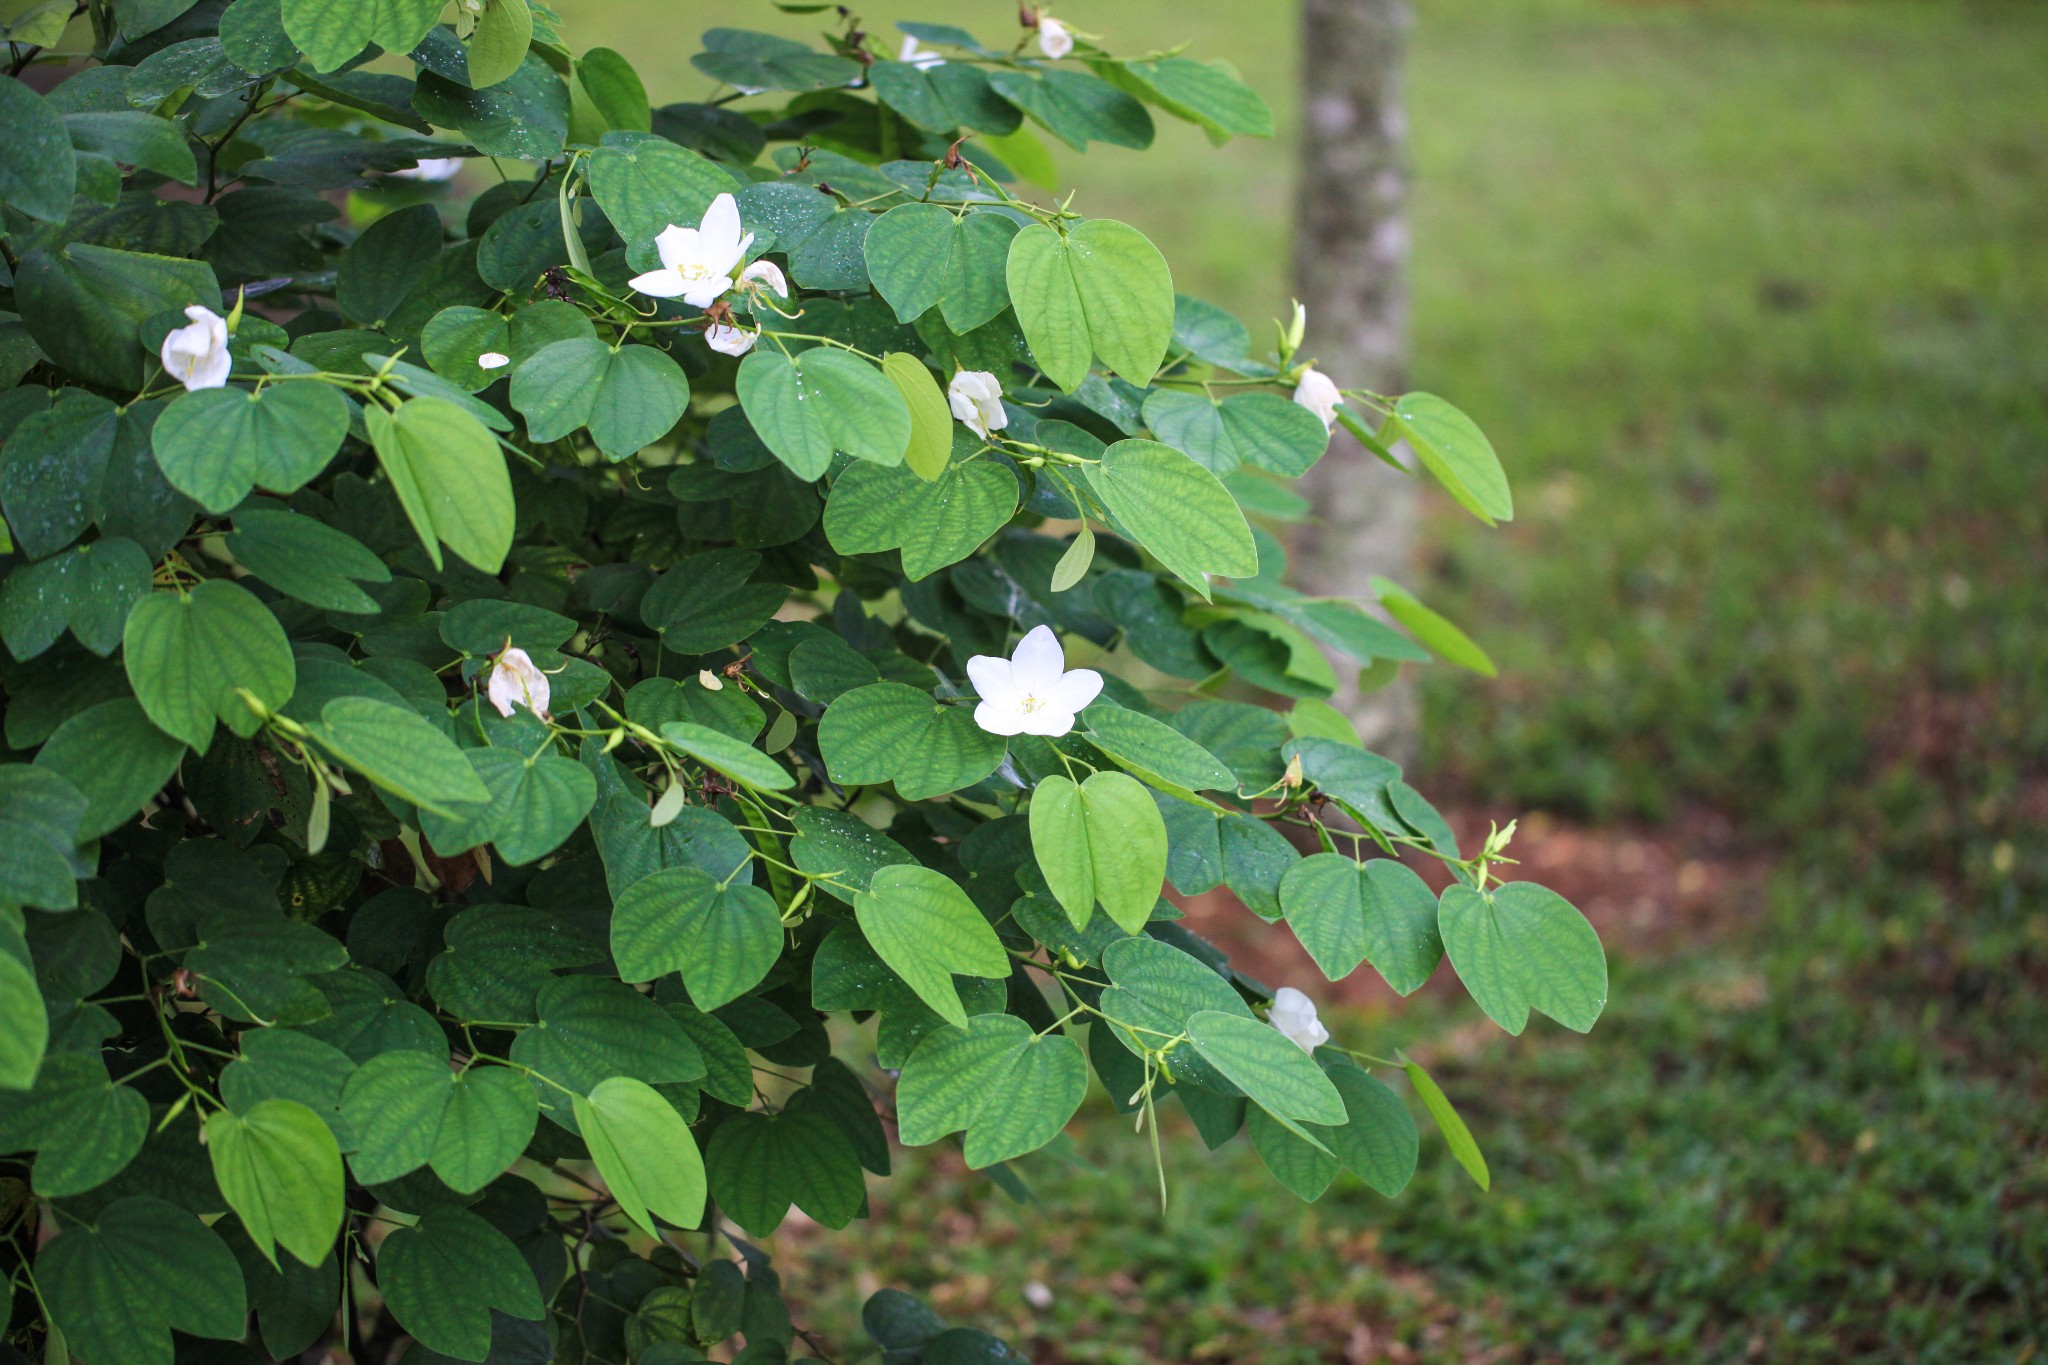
column 1442, row 638
column 615, row 90
column 216, row 444
column 280, row 1171
column 1155, row 750
column 118, row 1286
column 645, row 1152
column 891, row 732
column 931, row 419
column 189, row 653
column 1177, row 510
column 1010, row 1089
column 722, row 938
column 629, row 396
column 1278, row 1076
column 1074, row 563
column 1156, row 989
column 760, row 1164
column 407, row 1110
column 24, row 1024
column 498, row 47
column 115, row 756
column 1100, row 290
column 331, row 34
column 1345, row 912
column 936, row 522
column 442, row 1277
column 1100, row 840
column 1076, row 107
column 1205, row 93
column 646, row 183
column 1260, row 429
column 1452, row 447
column 922, row 256
column 821, row 402
column 740, row 761
column 1456, row 1134
column 400, row 751
column 923, row 926
column 448, row 475
column 1521, row 947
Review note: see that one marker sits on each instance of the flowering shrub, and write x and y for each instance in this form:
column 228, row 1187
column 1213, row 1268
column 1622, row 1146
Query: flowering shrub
column 524, row 715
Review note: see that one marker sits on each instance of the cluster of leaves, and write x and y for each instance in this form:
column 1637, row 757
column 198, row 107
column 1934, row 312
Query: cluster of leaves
column 327, row 981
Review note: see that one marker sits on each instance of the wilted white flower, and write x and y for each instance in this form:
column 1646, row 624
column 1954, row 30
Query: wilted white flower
column 196, row 355
column 976, row 397
column 516, row 680
column 1037, row 1295
column 766, row 275
column 434, row 168
column 710, row 681
column 1294, row 1014
column 493, row 360
column 729, row 340
column 1053, row 39
column 697, row 263
column 924, row 59
column 1031, row 692
column 1318, row 393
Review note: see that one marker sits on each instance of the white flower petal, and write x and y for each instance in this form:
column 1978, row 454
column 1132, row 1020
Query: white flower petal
column 729, row 340
column 1048, row 722
column 999, row 720
column 704, row 293
column 768, row 275
column 1038, row 662
column 664, row 283
column 1075, row 691
column 493, row 360
column 675, row 245
column 517, row 681
column 1294, row 1014
column 990, row 674
column 1319, row 394
column 1053, row 39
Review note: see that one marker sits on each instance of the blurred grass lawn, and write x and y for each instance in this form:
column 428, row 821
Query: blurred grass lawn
column 1751, row 299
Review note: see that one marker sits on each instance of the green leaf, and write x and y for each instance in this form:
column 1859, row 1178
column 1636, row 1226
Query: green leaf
column 823, row 401
column 843, row 847
column 594, row 1028
column 84, row 1127
column 1157, row 989
column 629, row 396
column 37, row 170
column 890, row 732
column 705, row 602
column 1456, row 1134
column 189, row 654
column 442, row 1277
column 645, row 1152
column 448, row 475
column 1452, row 447
column 498, row 47
column 88, row 590
column 134, row 138
column 115, row 756
column 1076, row 107
column 923, row 926
column 760, row 1164
column 280, row 1171
column 1521, row 947
column 119, row 1285
column 1100, row 290
column 400, row 751
column 1278, row 1076
column 936, row 522
column 1260, row 429
column 1296, row 1162
column 537, row 803
column 24, row 1023
column 385, row 264
column 1377, row 1142
column 407, row 1110
column 1355, row 779
column 525, row 116
column 615, row 90
column 760, row 61
column 305, row 558
column 646, row 183
column 1075, row 562
column 214, row 445
column 723, row 939
column 1010, row 1089
column 740, row 761
column 1442, row 638
column 1155, row 750
column 331, row 34
column 83, row 460
column 281, row 1063
column 1345, row 912
column 1176, row 510
column 931, row 419
column 1100, row 840
column 252, row 36
column 922, row 256
column 1205, row 93
column 85, row 306
column 944, row 97
column 39, row 816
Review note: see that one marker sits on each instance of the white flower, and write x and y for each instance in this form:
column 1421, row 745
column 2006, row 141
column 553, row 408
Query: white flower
column 1053, row 39
column 765, row 275
column 1294, row 1014
column 434, row 168
column 921, row 58
column 1318, row 393
column 976, row 397
column 1031, row 692
column 493, row 360
column 710, row 681
column 729, row 340
column 1037, row 1295
column 697, row 263
column 196, row 355
column 517, row 680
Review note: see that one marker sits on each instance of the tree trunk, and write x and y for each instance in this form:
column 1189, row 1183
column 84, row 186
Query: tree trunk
column 1350, row 268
